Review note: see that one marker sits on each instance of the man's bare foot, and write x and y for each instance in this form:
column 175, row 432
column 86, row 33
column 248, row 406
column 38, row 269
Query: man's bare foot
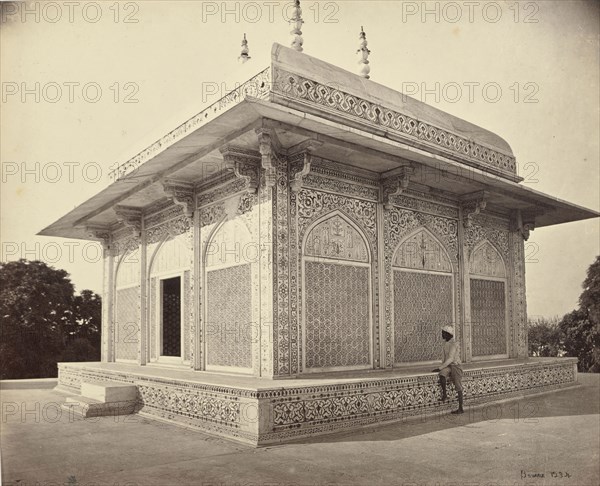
column 458, row 412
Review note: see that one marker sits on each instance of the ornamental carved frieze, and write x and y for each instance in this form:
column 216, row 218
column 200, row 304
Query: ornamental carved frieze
column 337, row 170
column 298, row 87
column 125, row 244
column 99, row 233
column 172, row 227
column 212, row 214
column 181, row 193
column 400, row 222
column 164, row 213
column 405, row 200
column 395, row 185
column 488, row 228
column 315, row 181
column 130, row 217
column 246, row 203
column 218, row 193
column 311, row 204
column 244, row 164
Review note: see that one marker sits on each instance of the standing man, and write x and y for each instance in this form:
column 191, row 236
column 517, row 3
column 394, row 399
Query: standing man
column 450, row 367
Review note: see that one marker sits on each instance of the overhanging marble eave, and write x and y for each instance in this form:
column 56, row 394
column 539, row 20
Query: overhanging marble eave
column 228, row 126
column 509, row 195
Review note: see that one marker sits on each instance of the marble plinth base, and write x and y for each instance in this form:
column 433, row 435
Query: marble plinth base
column 261, row 412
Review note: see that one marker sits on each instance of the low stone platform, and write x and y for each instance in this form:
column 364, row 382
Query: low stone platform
column 261, row 412
column 98, row 399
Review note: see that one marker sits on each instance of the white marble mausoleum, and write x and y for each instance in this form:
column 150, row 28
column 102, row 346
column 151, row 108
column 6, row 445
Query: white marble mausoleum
column 280, row 265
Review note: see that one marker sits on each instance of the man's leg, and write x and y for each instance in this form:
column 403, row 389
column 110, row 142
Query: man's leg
column 457, row 380
column 443, row 377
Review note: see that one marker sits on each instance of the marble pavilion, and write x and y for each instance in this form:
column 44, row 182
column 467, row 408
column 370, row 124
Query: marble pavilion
column 279, row 265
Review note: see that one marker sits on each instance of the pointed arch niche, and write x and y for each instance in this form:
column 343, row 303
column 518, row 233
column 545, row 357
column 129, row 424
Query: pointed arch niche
column 423, row 291
column 127, row 306
column 337, row 306
column 488, row 301
column 170, row 307
column 231, row 280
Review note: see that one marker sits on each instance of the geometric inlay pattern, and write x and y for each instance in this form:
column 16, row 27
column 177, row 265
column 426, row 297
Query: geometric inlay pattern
column 299, row 87
column 421, row 251
column 291, row 412
column 127, row 325
column 422, row 305
column 229, row 317
column 336, row 238
column 337, row 315
column 488, row 317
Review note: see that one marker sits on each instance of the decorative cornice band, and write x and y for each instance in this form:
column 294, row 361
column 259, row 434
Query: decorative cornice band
column 293, row 86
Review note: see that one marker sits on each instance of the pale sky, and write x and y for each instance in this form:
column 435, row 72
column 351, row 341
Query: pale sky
column 528, row 71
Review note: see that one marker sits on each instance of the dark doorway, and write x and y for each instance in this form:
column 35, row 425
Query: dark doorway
column 171, row 317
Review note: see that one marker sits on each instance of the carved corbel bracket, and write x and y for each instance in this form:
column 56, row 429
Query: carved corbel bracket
column 130, row 217
column 524, row 224
column 99, row 233
column 181, row 193
column 396, row 185
column 527, row 228
column 472, row 205
column 244, row 164
column 268, row 156
column 301, row 156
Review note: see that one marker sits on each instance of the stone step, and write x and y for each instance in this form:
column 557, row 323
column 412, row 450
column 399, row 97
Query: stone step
column 109, row 391
column 88, row 407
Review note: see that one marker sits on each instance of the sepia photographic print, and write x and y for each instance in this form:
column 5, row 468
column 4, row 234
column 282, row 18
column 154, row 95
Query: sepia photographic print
column 300, row 243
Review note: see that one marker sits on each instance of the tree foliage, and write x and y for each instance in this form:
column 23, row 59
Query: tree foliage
column 43, row 321
column 577, row 334
column 545, row 337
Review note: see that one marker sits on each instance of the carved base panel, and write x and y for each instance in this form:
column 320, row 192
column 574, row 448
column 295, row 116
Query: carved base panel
column 260, row 412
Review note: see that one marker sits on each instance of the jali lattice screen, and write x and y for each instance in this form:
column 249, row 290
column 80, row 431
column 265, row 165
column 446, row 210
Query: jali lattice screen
column 337, row 329
column 488, row 317
column 229, row 317
column 422, row 305
column 127, row 325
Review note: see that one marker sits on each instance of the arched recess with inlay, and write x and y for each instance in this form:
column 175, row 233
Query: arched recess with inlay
column 231, row 282
column 337, row 307
column 169, row 300
column 423, row 296
column 127, row 306
column 488, row 301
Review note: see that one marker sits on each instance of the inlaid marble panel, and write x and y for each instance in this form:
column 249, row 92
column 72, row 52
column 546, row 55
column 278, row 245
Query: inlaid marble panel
column 422, row 251
column 336, row 238
column 485, row 260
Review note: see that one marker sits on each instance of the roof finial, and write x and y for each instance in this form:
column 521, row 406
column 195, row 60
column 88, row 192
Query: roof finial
column 363, row 55
column 244, row 54
column 296, row 23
